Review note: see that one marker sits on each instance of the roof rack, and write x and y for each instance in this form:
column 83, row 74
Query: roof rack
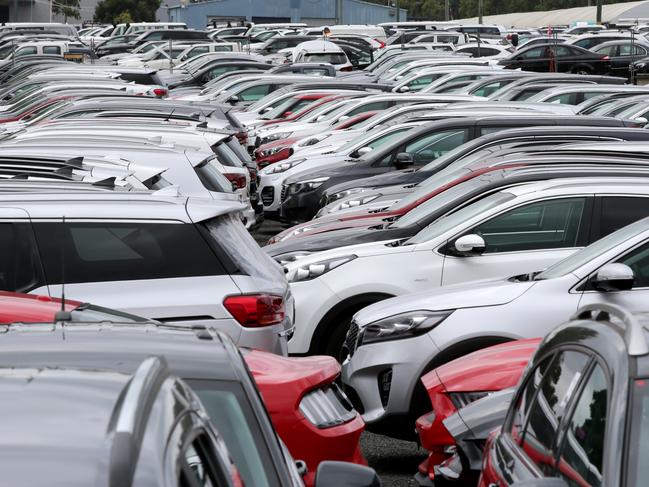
column 130, row 419
column 634, row 337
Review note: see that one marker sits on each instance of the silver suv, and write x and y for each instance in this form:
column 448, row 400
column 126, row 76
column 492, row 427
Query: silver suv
column 176, row 260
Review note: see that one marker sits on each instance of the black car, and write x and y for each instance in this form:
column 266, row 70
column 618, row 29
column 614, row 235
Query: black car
column 206, row 360
column 172, row 35
column 523, row 137
column 115, row 45
column 620, row 54
column 302, row 193
column 278, row 43
column 211, row 70
column 579, row 416
column 508, row 172
column 76, row 424
column 561, row 58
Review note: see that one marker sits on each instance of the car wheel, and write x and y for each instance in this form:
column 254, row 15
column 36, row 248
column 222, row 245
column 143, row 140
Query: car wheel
column 581, row 70
column 336, row 345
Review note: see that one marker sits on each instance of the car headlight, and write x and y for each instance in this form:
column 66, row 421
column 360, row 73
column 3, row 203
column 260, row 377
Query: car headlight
column 275, row 136
column 289, row 257
column 306, row 185
column 282, row 167
column 343, row 194
column 270, row 152
column 404, row 325
column 354, row 203
column 461, row 399
column 640, row 65
column 317, row 269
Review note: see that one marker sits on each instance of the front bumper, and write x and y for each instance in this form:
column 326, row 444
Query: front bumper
column 383, row 377
column 300, row 207
column 270, row 189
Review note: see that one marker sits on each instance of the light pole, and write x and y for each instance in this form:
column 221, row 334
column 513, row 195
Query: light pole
column 599, row 12
column 479, row 11
column 446, row 10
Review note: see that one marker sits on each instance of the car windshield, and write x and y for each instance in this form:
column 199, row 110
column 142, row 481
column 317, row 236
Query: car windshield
column 325, row 57
column 438, row 201
column 594, row 250
column 234, row 418
column 372, row 140
column 454, row 220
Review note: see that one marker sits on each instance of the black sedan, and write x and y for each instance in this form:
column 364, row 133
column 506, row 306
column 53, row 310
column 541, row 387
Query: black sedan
column 558, row 57
column 620, row 53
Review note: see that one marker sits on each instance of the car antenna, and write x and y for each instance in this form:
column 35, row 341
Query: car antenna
column 170, row 114
column 62, row 315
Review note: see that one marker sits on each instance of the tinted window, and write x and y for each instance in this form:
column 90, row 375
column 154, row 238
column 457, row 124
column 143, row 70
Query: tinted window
column 211, row 178
column 619, row 211
column 533, row 53
column 550, row 405
column 254, row 93
column 610, row 50
column 51, row 50
column 103, row 251
column 24, row 51
column 432, row 146
column 544, row 225
column 580, row 457
column 370, row 107
column 19, row 264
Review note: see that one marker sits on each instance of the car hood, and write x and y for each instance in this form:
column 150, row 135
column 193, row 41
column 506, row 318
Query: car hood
column 470, row 295
column 392, row 178
column 330, row 171
column 300, row 373
column 490, row 369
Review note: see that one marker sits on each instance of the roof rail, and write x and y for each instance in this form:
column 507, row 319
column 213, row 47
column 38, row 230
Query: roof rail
column 130, row 419
column 634, row 337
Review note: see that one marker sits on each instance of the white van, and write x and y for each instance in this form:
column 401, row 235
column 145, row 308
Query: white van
column 139, row 27
column 55, row 48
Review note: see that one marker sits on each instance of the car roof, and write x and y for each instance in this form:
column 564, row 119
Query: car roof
column 614, row 185
column 191, row 352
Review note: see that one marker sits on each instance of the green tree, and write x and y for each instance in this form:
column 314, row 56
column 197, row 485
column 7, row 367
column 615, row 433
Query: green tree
column 67, row 8
column 109, row 11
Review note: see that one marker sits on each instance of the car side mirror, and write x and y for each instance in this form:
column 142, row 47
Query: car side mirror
column 404, row 89
column 344, row 474
column 469, row 245
column 267, row 109
column 403, row 160
column 614, row 277
column 343, row 118
column 363, row 150
column 233, row 99
column 542, row 482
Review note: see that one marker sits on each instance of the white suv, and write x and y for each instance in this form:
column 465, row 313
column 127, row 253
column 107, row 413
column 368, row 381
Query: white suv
column 518, row 230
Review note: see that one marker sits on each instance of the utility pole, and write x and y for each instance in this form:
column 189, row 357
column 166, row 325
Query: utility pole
column 446, row 11
column 480, row 11
column 599, row 12
column 51, row 3
column 397, row 4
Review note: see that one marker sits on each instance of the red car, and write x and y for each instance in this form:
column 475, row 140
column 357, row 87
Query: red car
column 283, row 383
column 460, row 382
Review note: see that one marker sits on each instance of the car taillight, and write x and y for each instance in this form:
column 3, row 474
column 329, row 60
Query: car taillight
column 239, row 180
column 605, row 58
column 254, row 310
column 160, row 92
column 381, row 43
column 346, row 68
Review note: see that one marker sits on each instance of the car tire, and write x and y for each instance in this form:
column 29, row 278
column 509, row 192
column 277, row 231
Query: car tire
column 581, row 70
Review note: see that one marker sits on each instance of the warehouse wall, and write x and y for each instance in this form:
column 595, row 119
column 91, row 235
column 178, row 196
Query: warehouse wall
column 313, row 12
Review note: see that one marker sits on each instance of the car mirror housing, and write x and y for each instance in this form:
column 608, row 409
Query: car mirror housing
column 404, row 88
column 233, row 99
column 403, row 160
column 614, row 277
column 344, row 474
column 468, row 245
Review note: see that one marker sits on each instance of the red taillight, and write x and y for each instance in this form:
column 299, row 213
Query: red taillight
column 605, row 58
column 160, row 92
column 238, row 179
column 255, row 310
column 346, row 68
column 381, row 43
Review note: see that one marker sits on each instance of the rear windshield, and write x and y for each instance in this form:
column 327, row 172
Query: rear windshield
column 325, row 57
column 211, row 178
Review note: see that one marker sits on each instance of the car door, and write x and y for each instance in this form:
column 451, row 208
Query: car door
column 525, row 448
column 535, row 59
column 524, row 239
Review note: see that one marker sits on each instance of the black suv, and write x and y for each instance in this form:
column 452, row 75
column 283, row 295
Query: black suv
column 580, row 415
column 75, row 425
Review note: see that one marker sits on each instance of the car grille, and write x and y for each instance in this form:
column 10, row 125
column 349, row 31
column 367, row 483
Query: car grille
column 268, row 195
column 284, row 193
column 352, row 338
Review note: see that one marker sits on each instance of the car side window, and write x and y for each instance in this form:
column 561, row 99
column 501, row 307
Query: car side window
column 370, row 107
column 254, row 93
column 518, row 416
column 610, row 50
column 638, row 261
column 620, row 211
column 431, row 146
column 20, row 268
column 51, row 50
column 548, row 224
column 536, row 52
column 545, row 415
column 581, row 455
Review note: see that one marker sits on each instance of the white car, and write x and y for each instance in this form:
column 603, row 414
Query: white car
column 514, row 231
column 321, row 52
column 393, row 342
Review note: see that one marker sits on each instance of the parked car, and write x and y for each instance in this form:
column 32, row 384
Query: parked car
column 559, row 58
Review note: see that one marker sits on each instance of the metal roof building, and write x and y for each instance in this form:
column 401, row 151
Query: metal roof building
column 311, row 12
column 611, row 13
